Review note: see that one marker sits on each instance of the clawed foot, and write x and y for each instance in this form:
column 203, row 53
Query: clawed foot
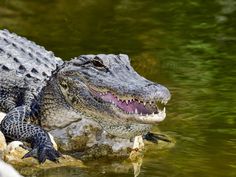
column 43, row 152
column 155, row 137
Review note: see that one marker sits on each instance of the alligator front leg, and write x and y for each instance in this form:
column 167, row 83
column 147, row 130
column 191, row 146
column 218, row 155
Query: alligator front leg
column 15, row 126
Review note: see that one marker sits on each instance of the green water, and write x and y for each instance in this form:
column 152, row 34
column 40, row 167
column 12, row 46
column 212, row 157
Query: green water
column 188, row 46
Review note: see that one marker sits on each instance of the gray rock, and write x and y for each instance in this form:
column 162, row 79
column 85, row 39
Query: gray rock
column 87, row 137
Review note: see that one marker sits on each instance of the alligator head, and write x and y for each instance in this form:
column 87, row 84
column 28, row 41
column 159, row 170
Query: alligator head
column 107, row 88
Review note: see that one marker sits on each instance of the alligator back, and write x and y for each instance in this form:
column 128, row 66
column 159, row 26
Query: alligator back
column 25, row 57
column 23, row 65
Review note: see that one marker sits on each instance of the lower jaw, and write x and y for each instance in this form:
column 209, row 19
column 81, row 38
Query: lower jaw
column 142, row 119
column 120, row 127
column 152, row 119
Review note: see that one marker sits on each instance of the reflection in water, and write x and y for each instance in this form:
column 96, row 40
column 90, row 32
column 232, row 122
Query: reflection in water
column 189, row 46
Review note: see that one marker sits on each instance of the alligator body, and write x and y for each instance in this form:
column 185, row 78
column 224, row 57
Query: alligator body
column 37, row 87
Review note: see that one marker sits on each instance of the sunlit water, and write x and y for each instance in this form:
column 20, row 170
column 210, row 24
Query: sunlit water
column 188, row 46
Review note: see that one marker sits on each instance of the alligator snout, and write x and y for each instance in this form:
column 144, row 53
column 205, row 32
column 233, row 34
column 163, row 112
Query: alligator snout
column 156, row 92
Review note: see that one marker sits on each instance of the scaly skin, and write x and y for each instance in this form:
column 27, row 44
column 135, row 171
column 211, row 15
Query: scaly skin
column 40, row 90
column 25, row 69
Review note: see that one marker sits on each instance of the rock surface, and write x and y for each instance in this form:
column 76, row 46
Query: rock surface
column 13, row 154
column 3, row 144
column 85, row 137
column 88, row 137
column 7, row 170
column 2, row 115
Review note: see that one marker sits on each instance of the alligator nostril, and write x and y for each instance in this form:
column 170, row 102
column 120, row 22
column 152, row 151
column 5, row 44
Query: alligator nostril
column 149, row 84
column 166, row 93
column 157, row 90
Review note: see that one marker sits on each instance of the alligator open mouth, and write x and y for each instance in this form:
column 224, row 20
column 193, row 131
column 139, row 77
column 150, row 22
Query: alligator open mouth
column 144, row 111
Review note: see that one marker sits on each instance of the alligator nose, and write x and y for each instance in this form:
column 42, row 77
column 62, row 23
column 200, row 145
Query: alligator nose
column 158, row 91
column 165, row 93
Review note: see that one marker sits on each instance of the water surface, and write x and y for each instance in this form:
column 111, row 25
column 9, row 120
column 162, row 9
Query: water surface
column 188, row 46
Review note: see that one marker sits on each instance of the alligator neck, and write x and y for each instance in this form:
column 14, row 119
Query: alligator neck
column 55, row 108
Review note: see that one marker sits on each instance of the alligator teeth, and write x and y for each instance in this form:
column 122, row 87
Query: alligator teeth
column 127, row 101
column 136, row 111
column 144, row 103
column 154, row 117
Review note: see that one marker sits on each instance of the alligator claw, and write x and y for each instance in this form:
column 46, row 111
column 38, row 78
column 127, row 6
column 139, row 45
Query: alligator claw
column 42, row 153
column 153, row 137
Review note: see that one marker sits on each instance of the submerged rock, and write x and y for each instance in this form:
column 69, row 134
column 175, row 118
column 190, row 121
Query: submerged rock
column 30, row 166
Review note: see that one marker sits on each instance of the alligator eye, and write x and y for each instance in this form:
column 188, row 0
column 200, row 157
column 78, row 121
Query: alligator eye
column 98, row 63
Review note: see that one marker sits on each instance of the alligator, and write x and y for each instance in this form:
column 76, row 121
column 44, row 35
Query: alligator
column 38, row 87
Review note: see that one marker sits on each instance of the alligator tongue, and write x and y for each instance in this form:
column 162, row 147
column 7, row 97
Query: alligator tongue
column 129, row 108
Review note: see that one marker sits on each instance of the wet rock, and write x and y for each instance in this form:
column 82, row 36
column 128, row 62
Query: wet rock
column 14, row 153
column 7, row 170
column 31, row 167
column 137, row 150
column 53, row 141
column 3, row 144
column 87, row 137
column 2, row 115
column 84, row 139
